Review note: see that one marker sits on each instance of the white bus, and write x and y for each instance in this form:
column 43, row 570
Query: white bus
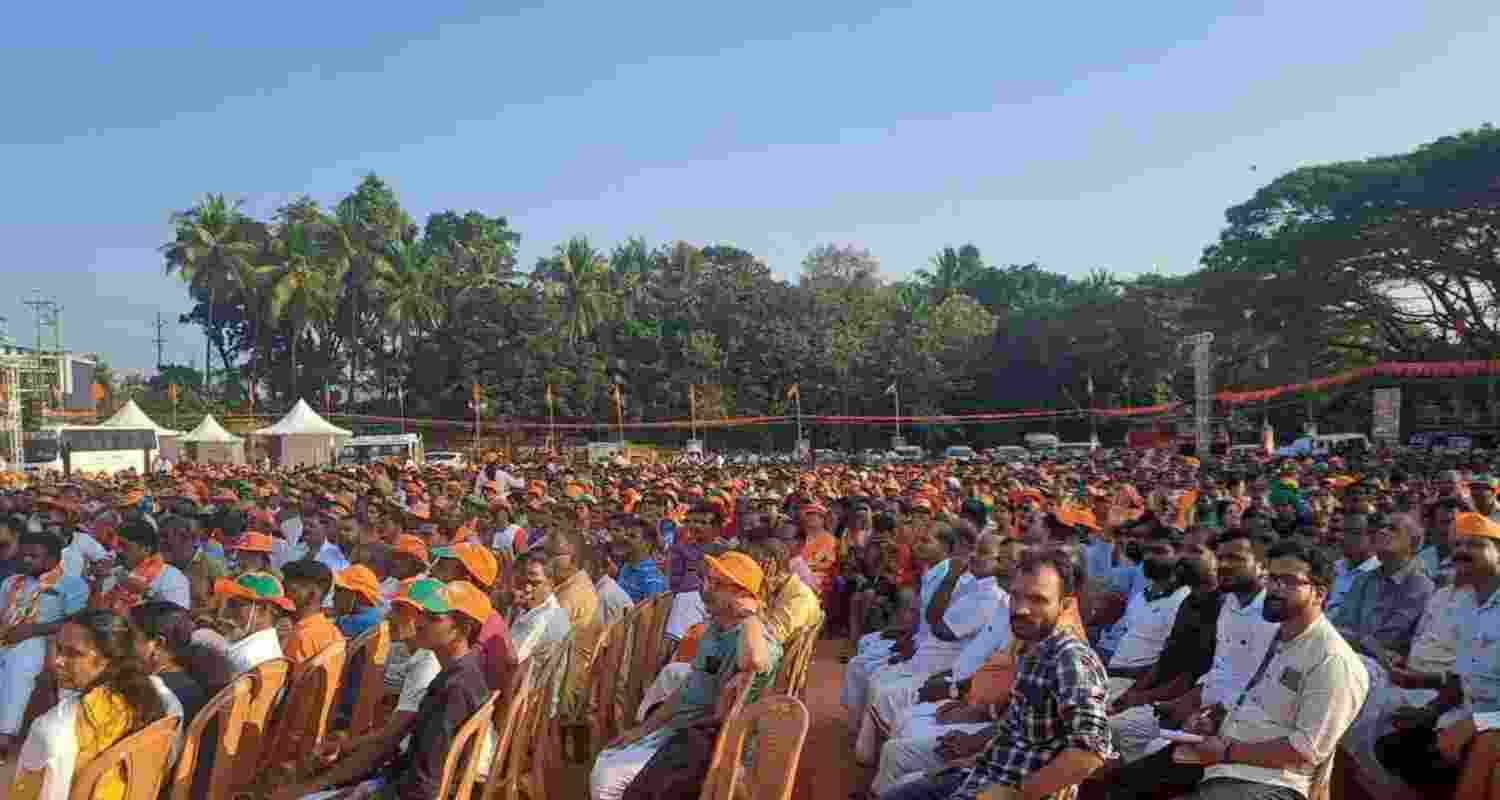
column 401, row 447
column 92, row 449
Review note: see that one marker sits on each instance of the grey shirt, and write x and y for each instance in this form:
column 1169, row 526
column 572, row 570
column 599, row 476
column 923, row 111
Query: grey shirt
column 1385, row 607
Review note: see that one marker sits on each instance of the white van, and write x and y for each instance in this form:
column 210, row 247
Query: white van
column 1320, row 445
column 910, row 454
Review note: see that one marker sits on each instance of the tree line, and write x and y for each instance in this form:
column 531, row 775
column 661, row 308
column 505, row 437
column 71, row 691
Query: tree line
column 1325, row 268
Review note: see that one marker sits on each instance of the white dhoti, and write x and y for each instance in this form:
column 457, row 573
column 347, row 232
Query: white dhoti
column 668, row 681
column 912, row 749
column 19, row 665
column 892, row 691
column 854, row 693
column 1374, row 721
column 687, row 610
column 1133, row 729
column 616, row 767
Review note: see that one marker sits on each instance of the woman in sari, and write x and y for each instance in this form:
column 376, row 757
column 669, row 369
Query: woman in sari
column 108, row 695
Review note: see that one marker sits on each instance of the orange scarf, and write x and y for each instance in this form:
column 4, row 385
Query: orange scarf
column 129, row 593
column 10, row 616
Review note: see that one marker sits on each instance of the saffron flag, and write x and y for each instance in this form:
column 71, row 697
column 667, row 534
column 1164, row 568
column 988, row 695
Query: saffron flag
column 891, row 389
column 794, row 392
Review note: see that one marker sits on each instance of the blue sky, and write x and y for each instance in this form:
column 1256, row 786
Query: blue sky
column 1078, row 135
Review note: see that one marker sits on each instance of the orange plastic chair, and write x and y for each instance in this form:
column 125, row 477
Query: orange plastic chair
column 367, row 655
column 230, row 706
column 299, row 728
column 141, row 755
column 268, row 679
column 465, row 748
column 780, row 723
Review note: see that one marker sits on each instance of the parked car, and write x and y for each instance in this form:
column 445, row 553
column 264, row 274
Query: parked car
column 960, row 453
column 910, row 454
column 447, row 458
column 1007, row 454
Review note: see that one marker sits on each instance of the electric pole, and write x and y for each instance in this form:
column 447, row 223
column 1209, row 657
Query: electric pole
column 160, row 340
column 48, row 315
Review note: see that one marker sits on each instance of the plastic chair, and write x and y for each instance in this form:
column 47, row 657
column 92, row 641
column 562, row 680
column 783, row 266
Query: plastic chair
column 606, row 711
column 465, row 747
column 780, row 723
column 268, row 679
column 649, row 650
column 304, row 715
column 366, row 657
column 791, row 678
column 507, row 722
column 141, row 755
column 528, row 766
column 230, row 707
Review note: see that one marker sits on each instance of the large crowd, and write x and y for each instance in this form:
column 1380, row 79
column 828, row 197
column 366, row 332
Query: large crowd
column 1132, row 624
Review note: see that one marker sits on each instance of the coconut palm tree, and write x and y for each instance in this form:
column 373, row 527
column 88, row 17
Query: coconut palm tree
column 952, row 270
column 303, row 279
column 208, row 249
column 577, row 275
column 405, row 284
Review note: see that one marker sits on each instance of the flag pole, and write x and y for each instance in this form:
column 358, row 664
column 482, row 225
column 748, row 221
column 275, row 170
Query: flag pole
column 693, row 409
column 551, row 421
column 799, row 414
column 897, row 387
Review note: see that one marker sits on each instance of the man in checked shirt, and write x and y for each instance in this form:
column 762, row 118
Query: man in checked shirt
column 1055, row 731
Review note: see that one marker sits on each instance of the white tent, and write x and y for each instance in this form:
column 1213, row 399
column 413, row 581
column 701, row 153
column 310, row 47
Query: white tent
column 302, row 438
column 132, row 417
column 209, row 443
column 302, row 420
column 210, row 431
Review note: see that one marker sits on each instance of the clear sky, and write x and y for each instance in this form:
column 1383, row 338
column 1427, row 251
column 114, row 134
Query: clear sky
column 1078, row 135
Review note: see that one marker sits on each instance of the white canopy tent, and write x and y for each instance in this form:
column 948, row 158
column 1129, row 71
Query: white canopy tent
column 131, row 417
column 302, row 438
column 209, row 443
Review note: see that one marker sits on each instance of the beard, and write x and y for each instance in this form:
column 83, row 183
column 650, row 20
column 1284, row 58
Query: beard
column 1191, row 574
column 1032, row 629
column 1159, row 570
column 1134, row 551
column 1275, row 609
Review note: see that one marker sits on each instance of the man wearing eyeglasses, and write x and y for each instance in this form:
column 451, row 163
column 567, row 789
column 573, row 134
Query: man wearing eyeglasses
column 1281, row 731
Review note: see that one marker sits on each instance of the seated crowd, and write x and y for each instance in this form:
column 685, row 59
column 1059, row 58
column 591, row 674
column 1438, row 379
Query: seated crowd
column 1143, row 630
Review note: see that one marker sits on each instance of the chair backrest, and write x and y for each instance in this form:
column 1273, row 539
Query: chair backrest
column 366, row 656
column 649, row 651
column 465, row 749
column 780, row 723
column 606, row 709
column 230, row 707
column 267, row 681
column 141, row 755
column 309, row 702
column 796, row 659
column 507, row 721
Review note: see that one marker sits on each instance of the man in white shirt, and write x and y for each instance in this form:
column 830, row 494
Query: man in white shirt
column 972, row 606
column 539, row 618
column 314, row 545
column 1242, row 638
column 1281, row 732
column 613, row 601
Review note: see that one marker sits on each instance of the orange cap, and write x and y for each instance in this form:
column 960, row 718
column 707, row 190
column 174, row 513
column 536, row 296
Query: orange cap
column 412, row 546
column 739, row 569
column 360, row 580
column 253, row 542
column 476, row 558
